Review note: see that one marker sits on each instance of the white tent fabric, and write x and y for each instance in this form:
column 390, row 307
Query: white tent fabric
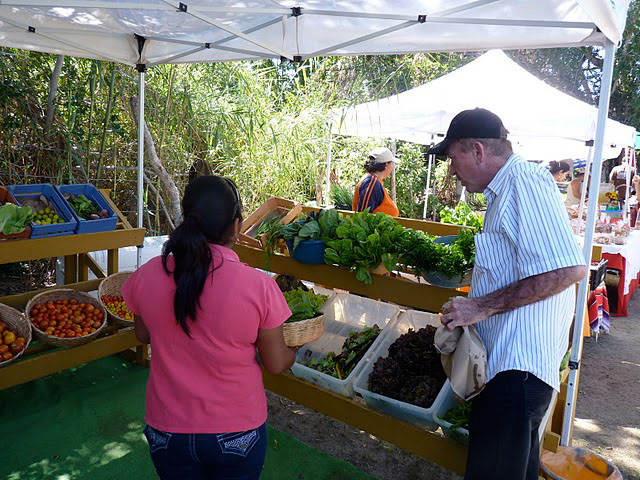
column 543, row 122
column 222, row 30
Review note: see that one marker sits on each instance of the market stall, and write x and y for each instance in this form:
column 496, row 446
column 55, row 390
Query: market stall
column 154, row 32
column 626, row 259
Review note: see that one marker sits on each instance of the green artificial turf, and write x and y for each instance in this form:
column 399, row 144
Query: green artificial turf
column 86, row 423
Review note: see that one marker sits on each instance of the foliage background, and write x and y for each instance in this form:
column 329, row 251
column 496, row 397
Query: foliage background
column 264, row 124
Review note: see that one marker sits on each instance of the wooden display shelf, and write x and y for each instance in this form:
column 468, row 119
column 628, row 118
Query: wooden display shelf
column 35, row 248
column 41, row 361
column 429, row 445
column 392, row 289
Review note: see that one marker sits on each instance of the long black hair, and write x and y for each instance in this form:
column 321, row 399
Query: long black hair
column 210, row 205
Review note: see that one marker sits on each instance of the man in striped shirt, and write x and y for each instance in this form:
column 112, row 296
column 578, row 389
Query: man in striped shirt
column 522, row 294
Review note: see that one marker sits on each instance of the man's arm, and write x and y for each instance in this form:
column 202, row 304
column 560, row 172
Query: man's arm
column 461, row 311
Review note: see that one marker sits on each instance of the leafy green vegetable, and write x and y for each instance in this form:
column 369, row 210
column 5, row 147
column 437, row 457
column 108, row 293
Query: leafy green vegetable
column 341, row 197
column 315, row 226
column 353, row 349
column 423, row 254
column 303, row 304
column 458, row 257
column 419, row 252
column 14, row 219
column 461, row 215
column 82, row 205
column 458, row 416
column 364, row 242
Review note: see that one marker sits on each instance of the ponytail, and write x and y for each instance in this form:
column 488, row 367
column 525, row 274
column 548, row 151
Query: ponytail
column 372, row 166
column 210, row 204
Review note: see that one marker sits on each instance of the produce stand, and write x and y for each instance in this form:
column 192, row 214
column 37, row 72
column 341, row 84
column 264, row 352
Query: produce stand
column 402, row 291
column 40, row 359
column 625, row 259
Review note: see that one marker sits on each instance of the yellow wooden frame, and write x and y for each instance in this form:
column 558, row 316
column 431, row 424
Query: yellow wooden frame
column 40, row 360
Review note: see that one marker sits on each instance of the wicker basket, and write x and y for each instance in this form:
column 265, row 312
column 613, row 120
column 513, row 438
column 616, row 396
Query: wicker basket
column 111, row 286
column 65, row 294
column 304, row 331
column 16, row 321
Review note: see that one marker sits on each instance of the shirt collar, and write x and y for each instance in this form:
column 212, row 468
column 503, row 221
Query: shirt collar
column 224, row 252
column 495, row 186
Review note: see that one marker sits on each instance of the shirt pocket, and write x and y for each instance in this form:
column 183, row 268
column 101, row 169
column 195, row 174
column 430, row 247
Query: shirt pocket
column 239, row 443
column 157, row 439
column 495, row 262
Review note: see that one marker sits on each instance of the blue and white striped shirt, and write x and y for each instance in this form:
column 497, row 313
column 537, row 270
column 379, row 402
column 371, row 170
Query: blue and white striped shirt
column 526, row 232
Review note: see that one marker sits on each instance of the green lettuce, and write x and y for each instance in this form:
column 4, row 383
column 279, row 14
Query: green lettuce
column 14, row 219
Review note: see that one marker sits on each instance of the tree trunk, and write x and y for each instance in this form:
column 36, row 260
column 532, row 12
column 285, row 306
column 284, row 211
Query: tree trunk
column 53, row 91
column 152, row 157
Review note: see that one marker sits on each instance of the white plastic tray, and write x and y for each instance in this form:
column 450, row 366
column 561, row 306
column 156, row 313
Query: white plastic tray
column 448, row 400
column 343, row 313
column 461, row 435
column 405, row 411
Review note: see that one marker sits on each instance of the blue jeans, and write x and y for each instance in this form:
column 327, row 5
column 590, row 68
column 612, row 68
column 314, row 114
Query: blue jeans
column 222, row 456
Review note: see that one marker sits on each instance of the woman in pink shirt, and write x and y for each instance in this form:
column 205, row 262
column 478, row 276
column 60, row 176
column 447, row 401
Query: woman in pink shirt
column 205, row 313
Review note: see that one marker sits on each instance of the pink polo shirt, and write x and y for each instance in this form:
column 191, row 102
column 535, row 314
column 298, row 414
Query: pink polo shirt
column 211, row 382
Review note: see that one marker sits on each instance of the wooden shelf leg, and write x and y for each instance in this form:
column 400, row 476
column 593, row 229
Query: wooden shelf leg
column 70, row 269
column 83, row 267
column 142, row 355
column 112, row 261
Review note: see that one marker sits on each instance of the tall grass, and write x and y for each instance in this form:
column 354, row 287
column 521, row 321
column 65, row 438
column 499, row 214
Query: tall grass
column 264, row 124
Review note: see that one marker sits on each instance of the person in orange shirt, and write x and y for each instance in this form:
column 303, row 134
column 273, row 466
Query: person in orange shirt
column 370, row 193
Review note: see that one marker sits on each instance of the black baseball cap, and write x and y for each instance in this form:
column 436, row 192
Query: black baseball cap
column 476, row 123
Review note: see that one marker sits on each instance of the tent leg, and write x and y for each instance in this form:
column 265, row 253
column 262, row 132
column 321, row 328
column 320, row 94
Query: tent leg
column 583, row 193
column 576, row 349
column 426, row 189
column 140, row 159
column 435, row 182
column 328, row 172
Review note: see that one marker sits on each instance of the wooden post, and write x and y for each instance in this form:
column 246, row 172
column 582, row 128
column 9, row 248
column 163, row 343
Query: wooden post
column 70, row 269
column 392, row 147
column 112, row 261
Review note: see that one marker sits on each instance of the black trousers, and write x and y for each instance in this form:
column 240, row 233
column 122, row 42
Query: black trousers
column 503, row 429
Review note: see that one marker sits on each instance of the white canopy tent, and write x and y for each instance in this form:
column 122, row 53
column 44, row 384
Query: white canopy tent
column 151, row 32
column 543, row 123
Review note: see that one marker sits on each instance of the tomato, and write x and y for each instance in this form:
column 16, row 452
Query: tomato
column 4, row 348
column 7, row 356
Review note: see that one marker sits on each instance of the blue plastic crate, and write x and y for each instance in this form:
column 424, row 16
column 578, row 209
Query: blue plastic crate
column 70, row 224
column 92, row 193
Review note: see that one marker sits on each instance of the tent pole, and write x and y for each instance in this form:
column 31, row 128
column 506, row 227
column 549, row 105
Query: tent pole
column 627, row 173
column 435, row 181
column 576, row 349
column 583, row 193
column 426, row 189
column 141, row 75
column 327, row 188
